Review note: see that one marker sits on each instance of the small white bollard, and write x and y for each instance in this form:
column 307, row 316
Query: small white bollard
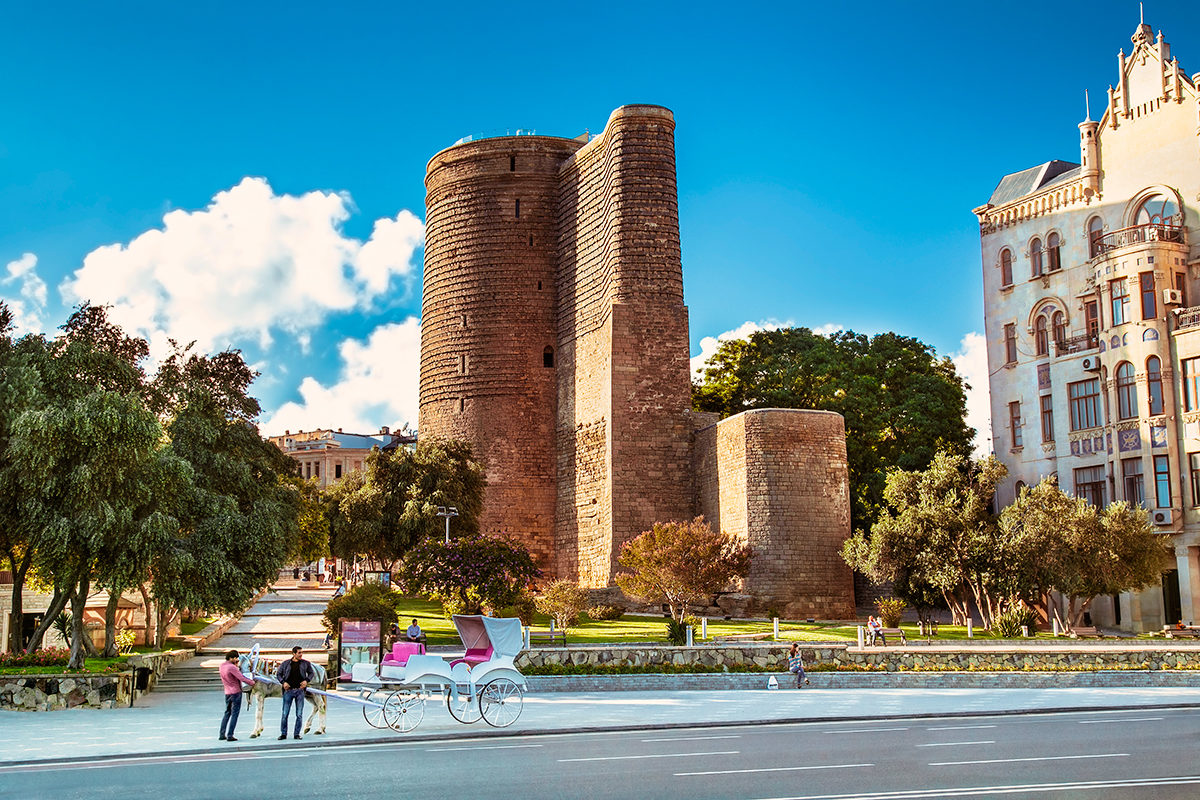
column 704, row 627
column 526, row 637
column 690, row 641
column 1056, row 628
column 775, row 627
column 862, row 642
column 970, row 628
column 1025, row 631
column 552, row 624
column 772, row 683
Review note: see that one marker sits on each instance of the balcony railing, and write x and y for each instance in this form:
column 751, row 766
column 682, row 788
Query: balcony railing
column 1077, row 344
column 1137, row 234
column 1187, row 318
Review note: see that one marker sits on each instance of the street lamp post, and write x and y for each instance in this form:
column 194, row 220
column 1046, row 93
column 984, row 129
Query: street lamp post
column 443, row 511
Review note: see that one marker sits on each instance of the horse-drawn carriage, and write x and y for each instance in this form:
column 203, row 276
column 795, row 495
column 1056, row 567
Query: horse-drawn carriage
column 483, row 684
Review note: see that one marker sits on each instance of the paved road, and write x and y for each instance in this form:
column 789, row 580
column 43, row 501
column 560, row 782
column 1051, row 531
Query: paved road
column 1138, row 753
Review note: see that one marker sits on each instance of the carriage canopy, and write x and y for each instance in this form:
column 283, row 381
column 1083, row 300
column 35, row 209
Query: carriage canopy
column 502, row 634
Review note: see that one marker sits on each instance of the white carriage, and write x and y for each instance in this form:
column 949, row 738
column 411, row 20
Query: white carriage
column 483, row 684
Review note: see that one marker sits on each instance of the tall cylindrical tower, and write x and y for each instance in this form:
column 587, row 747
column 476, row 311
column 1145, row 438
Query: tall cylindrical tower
column 488, row 331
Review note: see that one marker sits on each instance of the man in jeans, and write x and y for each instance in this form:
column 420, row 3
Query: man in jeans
column 294, row 674
column 232, row 679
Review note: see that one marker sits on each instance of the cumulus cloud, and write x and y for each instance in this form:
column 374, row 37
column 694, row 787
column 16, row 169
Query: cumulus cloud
column 249, row 265
column 710, row 344
column 28, row 304
column 971, row 363
column 377, row 385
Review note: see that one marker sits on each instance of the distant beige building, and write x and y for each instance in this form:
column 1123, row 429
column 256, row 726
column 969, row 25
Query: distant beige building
column 327, row 455
column 1093, row 348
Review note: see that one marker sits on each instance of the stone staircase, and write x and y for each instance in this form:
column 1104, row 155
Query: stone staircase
column 198, row 674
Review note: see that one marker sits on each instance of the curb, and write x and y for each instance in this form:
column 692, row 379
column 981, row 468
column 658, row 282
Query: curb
column 508, row 734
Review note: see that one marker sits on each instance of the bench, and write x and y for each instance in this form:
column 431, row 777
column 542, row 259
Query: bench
column 886, row 632
column 1186, row 632
column 1081, row 632
column 548, row 636
column 743, row 637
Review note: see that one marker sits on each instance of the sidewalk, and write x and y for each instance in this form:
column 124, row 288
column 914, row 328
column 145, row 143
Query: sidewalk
column 172, row 723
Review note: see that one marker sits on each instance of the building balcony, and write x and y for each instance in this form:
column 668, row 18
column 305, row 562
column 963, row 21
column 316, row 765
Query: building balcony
column 1135, row 235
column 1077, row 344
column 1187, row 318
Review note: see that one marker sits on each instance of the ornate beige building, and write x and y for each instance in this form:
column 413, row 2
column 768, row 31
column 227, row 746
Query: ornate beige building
column 1093, row 349
column 327, row 454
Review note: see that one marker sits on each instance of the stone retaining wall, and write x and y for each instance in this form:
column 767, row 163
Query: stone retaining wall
column 53, row 692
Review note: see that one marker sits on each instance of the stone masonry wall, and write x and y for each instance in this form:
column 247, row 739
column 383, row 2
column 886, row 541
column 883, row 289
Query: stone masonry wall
column 777, row 478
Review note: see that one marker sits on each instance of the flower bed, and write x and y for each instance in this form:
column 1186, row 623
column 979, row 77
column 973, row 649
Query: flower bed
column 46, row 657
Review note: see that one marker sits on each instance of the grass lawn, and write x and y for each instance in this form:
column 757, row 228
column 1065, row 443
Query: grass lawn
column 188, row 628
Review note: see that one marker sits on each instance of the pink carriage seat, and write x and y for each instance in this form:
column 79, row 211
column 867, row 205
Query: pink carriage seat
column 401, row 651
column 474, row 655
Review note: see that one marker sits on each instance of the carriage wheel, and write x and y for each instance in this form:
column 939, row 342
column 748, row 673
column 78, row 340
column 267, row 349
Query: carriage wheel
column 374, row 715
column 463, row 706
column 403, row 711
column 500, row 703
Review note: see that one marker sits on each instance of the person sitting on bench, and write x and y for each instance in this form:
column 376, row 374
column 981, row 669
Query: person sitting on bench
column 414, row 633
column 875, row 631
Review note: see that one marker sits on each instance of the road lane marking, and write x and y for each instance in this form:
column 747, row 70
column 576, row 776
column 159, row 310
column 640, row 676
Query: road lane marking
column 651, row 755
column 1035, row 758
column 870, row 730
column 960, row 727
column 772, row 769
column 1116, row 721
column 479, row 747
column 955, row 744
column 971, row 791
column 691, row 738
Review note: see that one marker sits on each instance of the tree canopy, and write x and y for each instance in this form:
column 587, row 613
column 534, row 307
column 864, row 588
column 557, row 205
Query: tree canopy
column 469, row 574
column 900, row 401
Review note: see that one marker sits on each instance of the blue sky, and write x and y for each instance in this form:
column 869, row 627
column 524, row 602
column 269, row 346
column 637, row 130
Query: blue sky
column 251, row 174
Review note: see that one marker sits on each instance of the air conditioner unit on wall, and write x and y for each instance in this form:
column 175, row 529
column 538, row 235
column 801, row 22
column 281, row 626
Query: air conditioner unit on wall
column 1161, row 516
column 1091, row 363
column 1172, row 297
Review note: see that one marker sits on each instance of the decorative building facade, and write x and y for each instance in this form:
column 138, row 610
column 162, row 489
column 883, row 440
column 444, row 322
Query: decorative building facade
column 554, row 338
column 1093, row 349
column 327, row 454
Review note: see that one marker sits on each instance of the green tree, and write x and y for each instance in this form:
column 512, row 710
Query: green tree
column 564, row 601
column 312, row 519
column 937, row 532
column 681, row 563
column 391, row 505
column 470, row 573
column 901, row 403
column 1053, row 542
column 370, row 601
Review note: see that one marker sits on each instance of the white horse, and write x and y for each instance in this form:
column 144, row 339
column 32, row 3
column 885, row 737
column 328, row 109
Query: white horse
column 263, row 672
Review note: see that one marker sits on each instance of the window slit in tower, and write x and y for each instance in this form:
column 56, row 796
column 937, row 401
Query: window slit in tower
column 512, row 163
column 539, row 286
column 531, row 240
column 548, row 357
column 518, row 209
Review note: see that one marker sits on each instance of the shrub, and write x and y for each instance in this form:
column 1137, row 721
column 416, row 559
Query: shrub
column 370, row 601
column 890, row 610
column 563, row 601
column 522, row 608
column 1007, row 624
column 605, row 613
column 677, row 631
column 46, row 657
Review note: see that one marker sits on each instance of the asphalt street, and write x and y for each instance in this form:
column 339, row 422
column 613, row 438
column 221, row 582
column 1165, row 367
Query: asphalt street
column 1087, row 754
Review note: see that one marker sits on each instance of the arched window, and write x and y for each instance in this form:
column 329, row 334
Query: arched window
column 1157, row 209
column 1060, row 328
column 1127, row 405
column 1154, row 382
column 1035, row 258
column 1053, row 256
column 1006, row 277
column 1040, row 342
column 1095, row 234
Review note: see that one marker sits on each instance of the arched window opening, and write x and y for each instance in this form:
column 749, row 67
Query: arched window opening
column 1006, row 273
column 1154, row 383
column 1095, row 234
column 1127, row 405
column 548, row 357
column 1040, row 341
column 1157, row 209
column 1053, row 248
column 1060, row 328
column 1035, row 258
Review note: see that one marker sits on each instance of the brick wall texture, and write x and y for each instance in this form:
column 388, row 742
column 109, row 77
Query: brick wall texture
column 554, row 338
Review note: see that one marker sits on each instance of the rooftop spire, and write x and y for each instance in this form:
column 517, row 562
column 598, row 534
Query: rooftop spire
column 1087, row 106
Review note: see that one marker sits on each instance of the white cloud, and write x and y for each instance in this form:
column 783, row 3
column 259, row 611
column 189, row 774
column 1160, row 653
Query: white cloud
column 971, row 363
column 377, row 386
column 30, row 303
column 251, row 264
column 710, row 344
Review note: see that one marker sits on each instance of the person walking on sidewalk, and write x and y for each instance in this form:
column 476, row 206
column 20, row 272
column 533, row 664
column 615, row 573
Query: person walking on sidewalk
column 294, row 674
column 796, row 666
column 232, row 680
